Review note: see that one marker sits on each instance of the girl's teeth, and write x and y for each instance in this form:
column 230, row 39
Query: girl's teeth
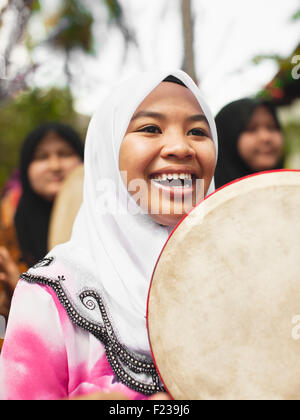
column 174, row 180
column 165, row 177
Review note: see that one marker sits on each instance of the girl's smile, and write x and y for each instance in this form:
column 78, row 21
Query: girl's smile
column 168, row 145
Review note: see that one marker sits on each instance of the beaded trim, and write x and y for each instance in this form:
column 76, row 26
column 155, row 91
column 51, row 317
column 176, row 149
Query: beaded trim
column 124, row 364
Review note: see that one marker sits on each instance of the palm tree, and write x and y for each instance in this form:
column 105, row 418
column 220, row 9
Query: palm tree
column 73, row 28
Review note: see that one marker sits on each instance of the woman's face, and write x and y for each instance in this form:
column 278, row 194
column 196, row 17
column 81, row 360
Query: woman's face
column 261, row 144
column 53, row 160
column 168, row 146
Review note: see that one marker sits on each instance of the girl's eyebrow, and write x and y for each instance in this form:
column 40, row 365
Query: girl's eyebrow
column 198, row 118
column 157, row 115
column 149, row 114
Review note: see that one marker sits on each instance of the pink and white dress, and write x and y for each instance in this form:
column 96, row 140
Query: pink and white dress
column 44, row 360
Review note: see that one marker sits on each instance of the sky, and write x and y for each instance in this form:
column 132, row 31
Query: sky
column 228, row 34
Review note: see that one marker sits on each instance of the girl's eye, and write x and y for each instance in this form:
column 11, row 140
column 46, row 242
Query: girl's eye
column 254, row 129
column 251, row 129
column 66, row 153
column 273, row 128
column 40, row 157
column 197, row 132
column 153, row 129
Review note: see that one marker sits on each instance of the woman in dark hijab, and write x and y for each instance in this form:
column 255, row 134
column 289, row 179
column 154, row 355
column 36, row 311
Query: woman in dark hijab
column 49, row 153
column 250, row 140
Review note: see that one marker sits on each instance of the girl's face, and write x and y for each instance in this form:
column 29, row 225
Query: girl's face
column 168, row 146
column 53, row 160
column 261, row 144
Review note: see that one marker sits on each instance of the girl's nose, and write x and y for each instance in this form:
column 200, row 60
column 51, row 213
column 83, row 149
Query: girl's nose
column 178, row 147
column 54, row 163
column 265, row 134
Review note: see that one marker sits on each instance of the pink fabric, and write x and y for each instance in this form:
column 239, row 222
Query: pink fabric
column 46, row 357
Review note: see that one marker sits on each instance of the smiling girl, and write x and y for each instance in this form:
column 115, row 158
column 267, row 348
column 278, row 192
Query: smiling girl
column 250, row 140
column 77, row 323
column 171, row 139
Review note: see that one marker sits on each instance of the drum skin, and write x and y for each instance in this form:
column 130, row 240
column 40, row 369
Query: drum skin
column 224, row 303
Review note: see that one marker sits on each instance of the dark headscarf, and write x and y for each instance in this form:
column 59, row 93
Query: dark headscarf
column 231, row 122
column 33, row 212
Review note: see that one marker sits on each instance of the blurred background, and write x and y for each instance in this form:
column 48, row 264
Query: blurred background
column 59, row 58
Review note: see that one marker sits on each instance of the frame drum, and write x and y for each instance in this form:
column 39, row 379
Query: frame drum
column 224, row 303
column 65, row 208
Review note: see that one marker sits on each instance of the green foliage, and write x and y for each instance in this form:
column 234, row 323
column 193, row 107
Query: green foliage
column 114, row 9
column 296, row 16
column 26, row 112
column 71, row 28
column 36, row 7
column 74, row 21
column 292, row 145
column 292, row 137
column 260, row 58
column 74, row 28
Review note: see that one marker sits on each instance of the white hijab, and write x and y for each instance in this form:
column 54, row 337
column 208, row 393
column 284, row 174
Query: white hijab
column 114, row 254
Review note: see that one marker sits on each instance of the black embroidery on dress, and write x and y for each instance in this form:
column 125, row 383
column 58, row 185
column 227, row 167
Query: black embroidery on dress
column 123, row 363
column 45, row 262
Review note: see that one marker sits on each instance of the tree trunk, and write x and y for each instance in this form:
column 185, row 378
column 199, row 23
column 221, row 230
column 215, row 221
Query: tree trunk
column 188, row 36
column 22, row 10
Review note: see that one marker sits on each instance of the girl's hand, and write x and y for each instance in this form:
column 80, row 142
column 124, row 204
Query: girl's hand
column 160, row 396
column 116, row 396
column 100, row 396
column 9, row 272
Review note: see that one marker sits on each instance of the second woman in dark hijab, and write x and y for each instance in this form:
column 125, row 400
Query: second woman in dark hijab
column 48, row 154
column 250, row 140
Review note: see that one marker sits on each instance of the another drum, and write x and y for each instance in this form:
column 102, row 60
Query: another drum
column 65, row 208
column 224, row 303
